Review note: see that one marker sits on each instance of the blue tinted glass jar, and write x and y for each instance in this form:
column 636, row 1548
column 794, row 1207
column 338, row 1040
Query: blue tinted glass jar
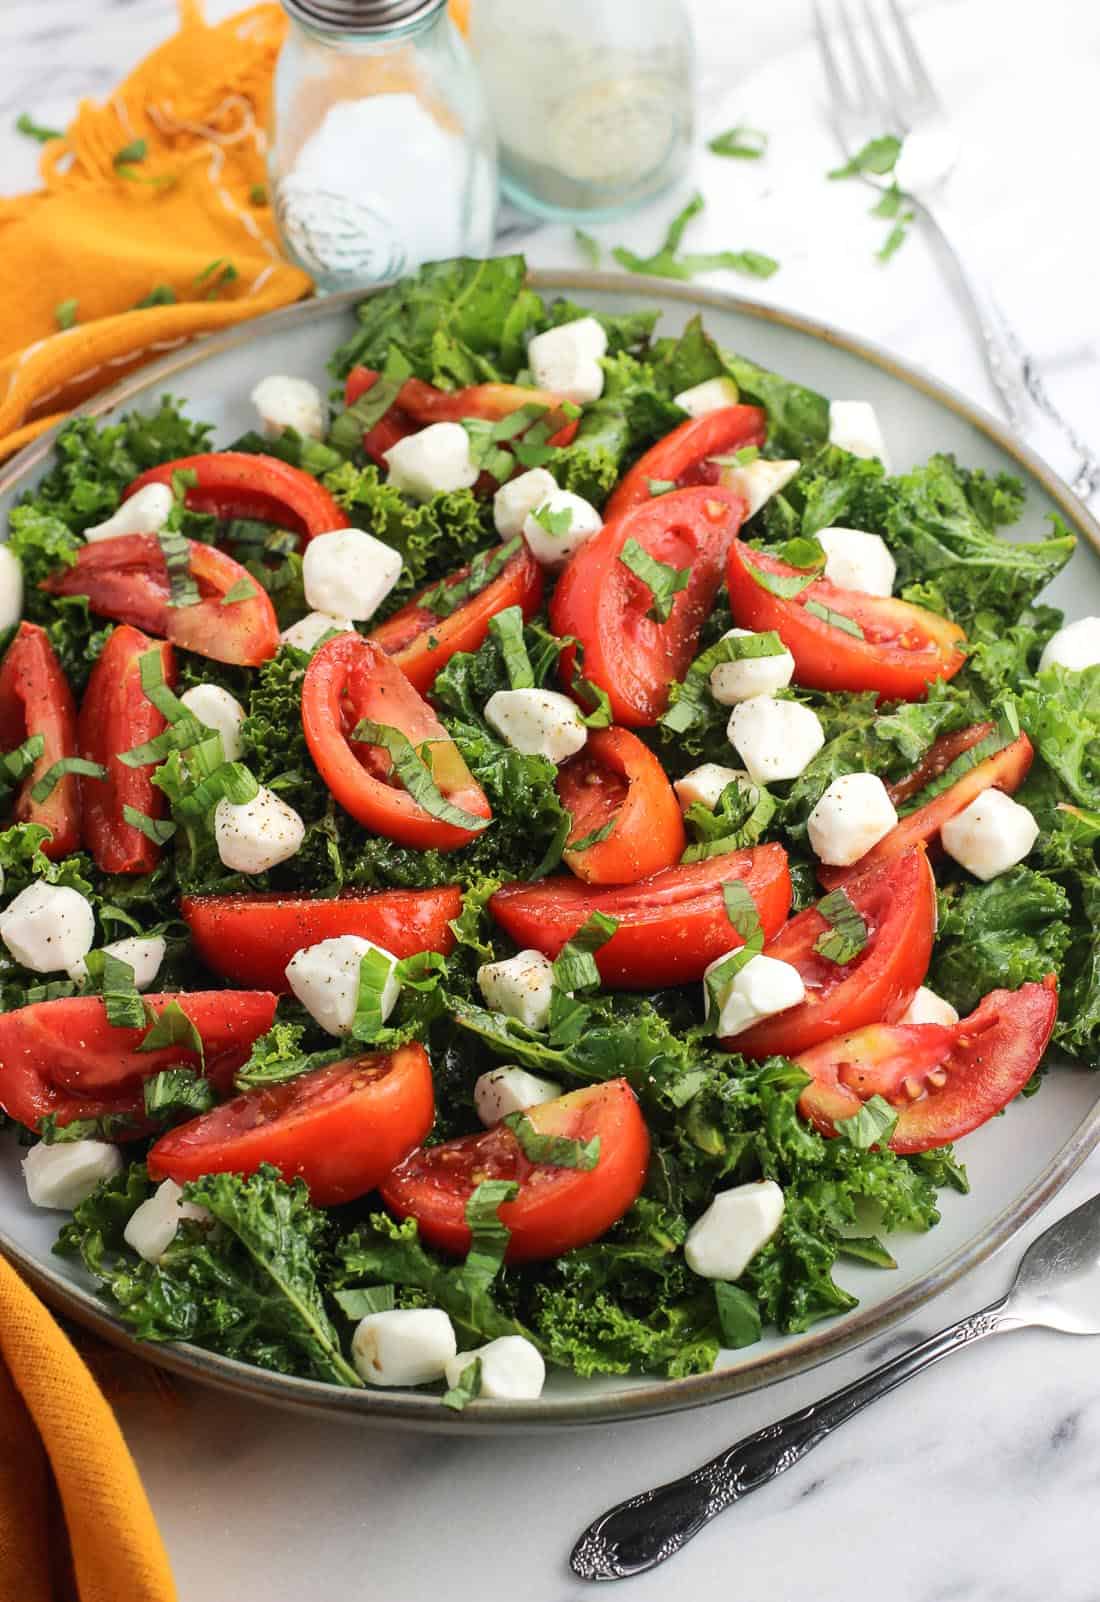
column 382, row 154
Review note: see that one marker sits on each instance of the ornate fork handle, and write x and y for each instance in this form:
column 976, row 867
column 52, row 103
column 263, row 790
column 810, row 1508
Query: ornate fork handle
column 1013, row 370
column 646, row 1529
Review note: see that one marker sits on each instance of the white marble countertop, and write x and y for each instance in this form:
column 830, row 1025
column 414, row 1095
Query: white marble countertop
column 978, row 1482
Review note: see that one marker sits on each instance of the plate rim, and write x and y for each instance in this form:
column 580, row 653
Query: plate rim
column 831, row 1339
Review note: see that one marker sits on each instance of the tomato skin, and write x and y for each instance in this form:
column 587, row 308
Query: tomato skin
column 407, row 636
column 984, row 1061
column 1004, row 770
column 681, row 457
column 419, row 404
column 126, row 579
column 63, row 1055
column 240, row 484
column 340, row 1128
column 347, row 680
column 670, row 926
column 617, row 779
column 116, row 715
column 250, row 938
column 556, row 1208
column 601, row 603
column 35, row 698
column 904, row 648
column 898, row 905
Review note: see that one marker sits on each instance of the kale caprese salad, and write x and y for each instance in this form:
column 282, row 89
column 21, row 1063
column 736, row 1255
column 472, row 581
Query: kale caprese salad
column 530, row 861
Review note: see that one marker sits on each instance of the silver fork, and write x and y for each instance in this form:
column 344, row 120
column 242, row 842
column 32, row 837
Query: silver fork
column 1057, row 1286
column 881, row 85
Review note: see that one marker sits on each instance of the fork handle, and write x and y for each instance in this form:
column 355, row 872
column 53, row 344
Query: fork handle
column 1014, row 372
column 651, row 1527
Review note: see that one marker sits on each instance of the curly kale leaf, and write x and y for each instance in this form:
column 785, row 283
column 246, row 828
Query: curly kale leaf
column 999, row 935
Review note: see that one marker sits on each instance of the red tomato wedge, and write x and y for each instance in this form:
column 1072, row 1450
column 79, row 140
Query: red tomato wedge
column 250, row 938
column 240, row 484
column 115, row 716
column 944, row 1082
column 603, row 605
column 936, row 761
column 616, row 784
column 898, row 905
column 66, row 1052
column 903, row 648
column 670, row 926
column 1005, row 770
column 421, row 642
column 683, row 457
column 350, row 679
column 556, row 1208
column 127, row 579
column 340, row 1128
column 419, row 404
column 35, row 699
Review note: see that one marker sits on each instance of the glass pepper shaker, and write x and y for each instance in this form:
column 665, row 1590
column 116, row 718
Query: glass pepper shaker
column 381, row 154
column 592, row 100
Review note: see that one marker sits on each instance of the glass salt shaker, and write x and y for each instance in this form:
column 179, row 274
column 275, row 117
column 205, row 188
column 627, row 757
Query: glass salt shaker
column 382, row 153
column 592, row 100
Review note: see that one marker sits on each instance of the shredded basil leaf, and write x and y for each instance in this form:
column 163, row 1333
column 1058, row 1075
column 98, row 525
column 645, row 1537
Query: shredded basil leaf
column 836, row 620
column 347, row 430
column 171, row 1027
column 178, row 736
column 228, row 781
column 375, row 970
column 507, row 630
column 588, row 246
column 785, row 585
column 18, row 763
column 415, row 775
column 738, row 1315
column 466, row 1388
column 691, row 697
column 660, row 486
column 663, row 582
column 575, row 967
column 847, row 934
column 872, row 1125
column 65, row 765
column 155, row 688
column 587, row 841
column 446, row 597
column 741, row 142
column 156, row 829
column 556, row 523
column 114, row 979
column 553, row 1151
column 26, row 125
column 243, row 590
column 744, row 917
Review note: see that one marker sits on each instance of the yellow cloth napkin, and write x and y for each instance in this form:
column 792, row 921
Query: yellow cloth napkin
column 105, row 232
column 60, row 1444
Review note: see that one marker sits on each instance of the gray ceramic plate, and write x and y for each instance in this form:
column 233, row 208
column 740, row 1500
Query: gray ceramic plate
column 1015, row 1164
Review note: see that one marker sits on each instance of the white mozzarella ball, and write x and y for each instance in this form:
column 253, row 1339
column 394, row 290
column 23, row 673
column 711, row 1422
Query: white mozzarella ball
column 763, row 987
column 64, row 1175
column 737, row 1224
column 325, row 979
column 852, row 815
column 146, row 512
column 991, row 835
column 706, row 783
column 404, row 1346
column 219, row 711
column 258, row 834
column 520, row 987
column 577, row 519
column 284, row 402
column 775, row 739
column 854, row 426
column 433, row 461
column 47, row 927
column 152, row 1226
column 567, row 359
column 519, row 496
column 537, row 722
column 758, row 480
column 309, row 631
column 1076, row 647
column 11, row 588
column 731, row 682
column 144, row 953
column 349, row 573
column 928, row 1008
column 510, row 1090
column 710, row 396
column 512, row 1369
column 858, row 561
